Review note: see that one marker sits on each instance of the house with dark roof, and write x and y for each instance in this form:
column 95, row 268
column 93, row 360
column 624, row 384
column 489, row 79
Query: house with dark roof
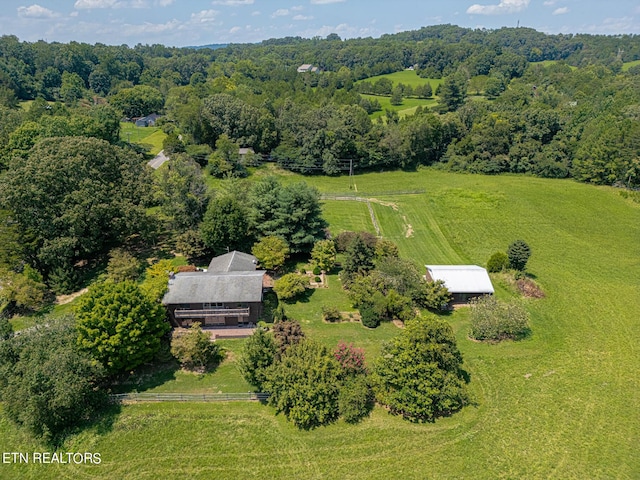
column 464, row 282
column 148, row 121
column 227, row 294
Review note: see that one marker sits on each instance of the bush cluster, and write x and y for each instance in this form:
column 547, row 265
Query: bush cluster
column 498, row 262
column 492, row 320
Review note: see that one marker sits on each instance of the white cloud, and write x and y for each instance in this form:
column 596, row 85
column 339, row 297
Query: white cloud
column 150, row 28
column 165, row 3
column 344, row 30
column 36, row 11
column 302, row 17
column 326, row 2
column 256, row 13
column 549, row 3
column 88, row 4
column 561, row 11
column 139, row 4
column 281, row 12
column 204, row 16
column 232, row 3
column 505, row 6
column 235, row 29
column 297, row 8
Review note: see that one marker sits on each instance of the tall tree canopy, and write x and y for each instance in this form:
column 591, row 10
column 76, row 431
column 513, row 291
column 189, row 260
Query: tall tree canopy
column 48, row 384
column 291, row 212
column 119, row 325
column 72, row 197
column 418, row 374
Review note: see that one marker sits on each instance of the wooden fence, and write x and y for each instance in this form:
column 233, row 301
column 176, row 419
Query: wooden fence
column 188, row 397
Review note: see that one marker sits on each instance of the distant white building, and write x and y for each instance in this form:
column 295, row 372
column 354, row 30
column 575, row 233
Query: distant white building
column 464, row 282
column 307, row 67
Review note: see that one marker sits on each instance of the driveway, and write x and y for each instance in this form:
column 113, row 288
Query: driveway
column 158, row 160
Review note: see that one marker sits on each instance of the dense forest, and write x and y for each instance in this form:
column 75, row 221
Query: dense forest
column 510, row 100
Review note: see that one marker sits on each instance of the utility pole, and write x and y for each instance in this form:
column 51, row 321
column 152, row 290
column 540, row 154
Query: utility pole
column 350, row 173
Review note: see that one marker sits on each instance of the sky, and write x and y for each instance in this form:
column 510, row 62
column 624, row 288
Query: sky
column 201, row 22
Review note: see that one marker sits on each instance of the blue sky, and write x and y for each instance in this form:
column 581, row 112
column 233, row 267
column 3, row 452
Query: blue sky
column 199, row 22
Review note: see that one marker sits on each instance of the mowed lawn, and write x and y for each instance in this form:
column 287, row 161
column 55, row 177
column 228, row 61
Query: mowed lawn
column 409, row 105
column 561, row 404
column 149, row 137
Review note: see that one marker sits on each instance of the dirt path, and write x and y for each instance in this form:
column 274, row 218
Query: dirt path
column 63, row 299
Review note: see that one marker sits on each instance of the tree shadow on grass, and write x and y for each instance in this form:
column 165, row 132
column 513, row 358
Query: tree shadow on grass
column 101, row 423
column 145, row 377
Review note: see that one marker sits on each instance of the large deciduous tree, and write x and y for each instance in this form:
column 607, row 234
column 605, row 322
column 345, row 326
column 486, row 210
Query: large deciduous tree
column 119, row 325
column 48, row 384
column 271, row 252
column 419, row 373
column 305, row 385
column 324, row 254
column 225, row 226
column 138, row 101
column 72, row 197
column 181, row 192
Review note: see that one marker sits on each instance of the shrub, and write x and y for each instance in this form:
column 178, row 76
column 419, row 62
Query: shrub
column 355, row 400
column 269, row 305
column 317, row 279
column 344, row 240
column 316, row 270
column 494, row 321
column 368, row 316
column 498, row 262
column 434, row 295
column 279, row 313
column 386, row 248
column 194, row 349
column 351, row 359
column 122, row 266
column 286, row 334
column 331, row 313
column 290, row 286
column 518, row 253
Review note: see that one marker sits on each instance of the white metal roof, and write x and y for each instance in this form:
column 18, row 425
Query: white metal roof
column 462, row 278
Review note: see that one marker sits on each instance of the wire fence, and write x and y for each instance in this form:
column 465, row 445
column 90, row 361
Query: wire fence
column 188, row 397
column 362, row 196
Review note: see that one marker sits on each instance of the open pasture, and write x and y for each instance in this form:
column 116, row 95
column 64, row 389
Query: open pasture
column 561, row 404
column 408, row 77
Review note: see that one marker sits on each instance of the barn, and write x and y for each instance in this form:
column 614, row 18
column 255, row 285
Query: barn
column 464, row 282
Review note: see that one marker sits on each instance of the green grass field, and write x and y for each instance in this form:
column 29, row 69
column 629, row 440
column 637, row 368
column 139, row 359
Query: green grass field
column 408, row 77
column 409, row 105
column 627, row 65
column 149, row 137
column 561, row 404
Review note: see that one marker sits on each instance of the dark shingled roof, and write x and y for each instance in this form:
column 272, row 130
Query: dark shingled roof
column 231, row 277
column 203, row 287
column 233, row 262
